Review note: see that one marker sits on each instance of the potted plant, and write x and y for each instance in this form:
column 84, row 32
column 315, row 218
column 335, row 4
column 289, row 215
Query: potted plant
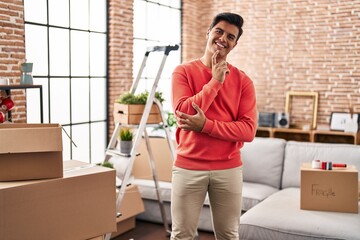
column 126, row 137
column 106, row 164
column 128, row 108
column 130, row 98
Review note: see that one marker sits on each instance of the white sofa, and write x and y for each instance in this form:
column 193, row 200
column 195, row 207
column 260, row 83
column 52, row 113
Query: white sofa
column 271, row 191
column 279, row 216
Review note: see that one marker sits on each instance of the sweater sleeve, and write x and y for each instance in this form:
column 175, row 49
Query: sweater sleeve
column 184, row 92
column 244, row 128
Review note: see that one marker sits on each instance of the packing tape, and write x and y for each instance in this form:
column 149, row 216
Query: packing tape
column 72, row 169
column 316, row 164
column 328, row 165
column 323, row 165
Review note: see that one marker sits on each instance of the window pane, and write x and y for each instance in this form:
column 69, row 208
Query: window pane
column 36, row 48
column 98, row 140
column 97, row 54
column 33, row 101
column 170, row 3
column 66, row 143
column 173, row 35
column 175, row 4
column 60, row 100
column 165, row 87
column 139, row 19
column 98, row 99
column 140, row 47
column 153, row 63
column 35, row 11
column 153, row 23
column 79, row 14
column 79, row 53
column 80, row 135
column 163, row 2
column 33, row 107
column 80, row 100
column 172, row 61
column 98, row 15
column 59, row 13
column 59, row 52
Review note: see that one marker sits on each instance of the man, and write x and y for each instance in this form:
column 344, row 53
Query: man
column 216, row 113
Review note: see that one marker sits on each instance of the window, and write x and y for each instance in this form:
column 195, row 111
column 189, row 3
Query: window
column 66, row 41
column 156, row 23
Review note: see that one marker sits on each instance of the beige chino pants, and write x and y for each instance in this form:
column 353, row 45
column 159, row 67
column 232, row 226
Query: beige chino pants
column 189, row 190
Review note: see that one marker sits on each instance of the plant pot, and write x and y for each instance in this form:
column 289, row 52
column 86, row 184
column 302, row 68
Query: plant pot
column 126, row 146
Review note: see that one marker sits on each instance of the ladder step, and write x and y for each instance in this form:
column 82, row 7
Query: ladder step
column 119, row 182
column 117, row 153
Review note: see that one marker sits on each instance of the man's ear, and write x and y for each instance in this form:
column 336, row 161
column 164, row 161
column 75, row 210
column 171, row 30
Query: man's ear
column 207, row 33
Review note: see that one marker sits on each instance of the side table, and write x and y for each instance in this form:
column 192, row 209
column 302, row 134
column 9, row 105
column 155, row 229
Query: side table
column 8, row 88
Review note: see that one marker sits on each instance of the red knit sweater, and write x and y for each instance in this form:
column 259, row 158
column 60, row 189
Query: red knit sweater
column 230, row 109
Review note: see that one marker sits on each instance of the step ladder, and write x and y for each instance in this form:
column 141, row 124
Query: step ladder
column 111, row 150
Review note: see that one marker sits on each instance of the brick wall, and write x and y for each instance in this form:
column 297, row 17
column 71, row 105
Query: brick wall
column 120, row 51
column 310, row 45
column 293, row 45
column 12, row 50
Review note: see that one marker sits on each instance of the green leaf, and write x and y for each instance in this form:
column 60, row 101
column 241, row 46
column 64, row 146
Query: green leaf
column 129, row 98
column 126, row 134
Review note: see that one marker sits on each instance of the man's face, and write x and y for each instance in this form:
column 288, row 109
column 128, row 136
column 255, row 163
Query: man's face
column 222, row 37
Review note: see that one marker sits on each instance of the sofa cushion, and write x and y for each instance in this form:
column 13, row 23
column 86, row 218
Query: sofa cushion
column 298, row 152
column 253, row 193
column 148, row 191
column 280, row 217
column 152, row 213
column 263, row 161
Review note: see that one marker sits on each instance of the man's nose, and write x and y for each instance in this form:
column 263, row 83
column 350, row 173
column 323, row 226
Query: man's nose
column 222, row 37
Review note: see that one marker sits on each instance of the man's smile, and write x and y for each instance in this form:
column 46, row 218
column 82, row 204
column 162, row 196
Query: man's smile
column 220, row 45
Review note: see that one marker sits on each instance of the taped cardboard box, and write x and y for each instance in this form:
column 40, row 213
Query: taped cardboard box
column 329, row 190
column 30, row 151
column 78, row 206
column 131, row 205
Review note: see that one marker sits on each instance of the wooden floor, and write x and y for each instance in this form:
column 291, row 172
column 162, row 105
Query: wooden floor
column 152, row 231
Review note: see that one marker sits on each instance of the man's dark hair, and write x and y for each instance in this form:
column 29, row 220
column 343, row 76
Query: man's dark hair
column 231, row 18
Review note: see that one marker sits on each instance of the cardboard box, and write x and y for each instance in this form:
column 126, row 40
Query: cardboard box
column 30, row 151
column 125, row 226
column 329, row 190
column 132, row 113
column 97, row 238
column 131, row 205
column 78, row 206
column 162, row 158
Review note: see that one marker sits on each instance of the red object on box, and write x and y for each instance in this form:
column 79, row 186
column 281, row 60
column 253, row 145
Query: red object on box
column 2, row 117
column 7, row 104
